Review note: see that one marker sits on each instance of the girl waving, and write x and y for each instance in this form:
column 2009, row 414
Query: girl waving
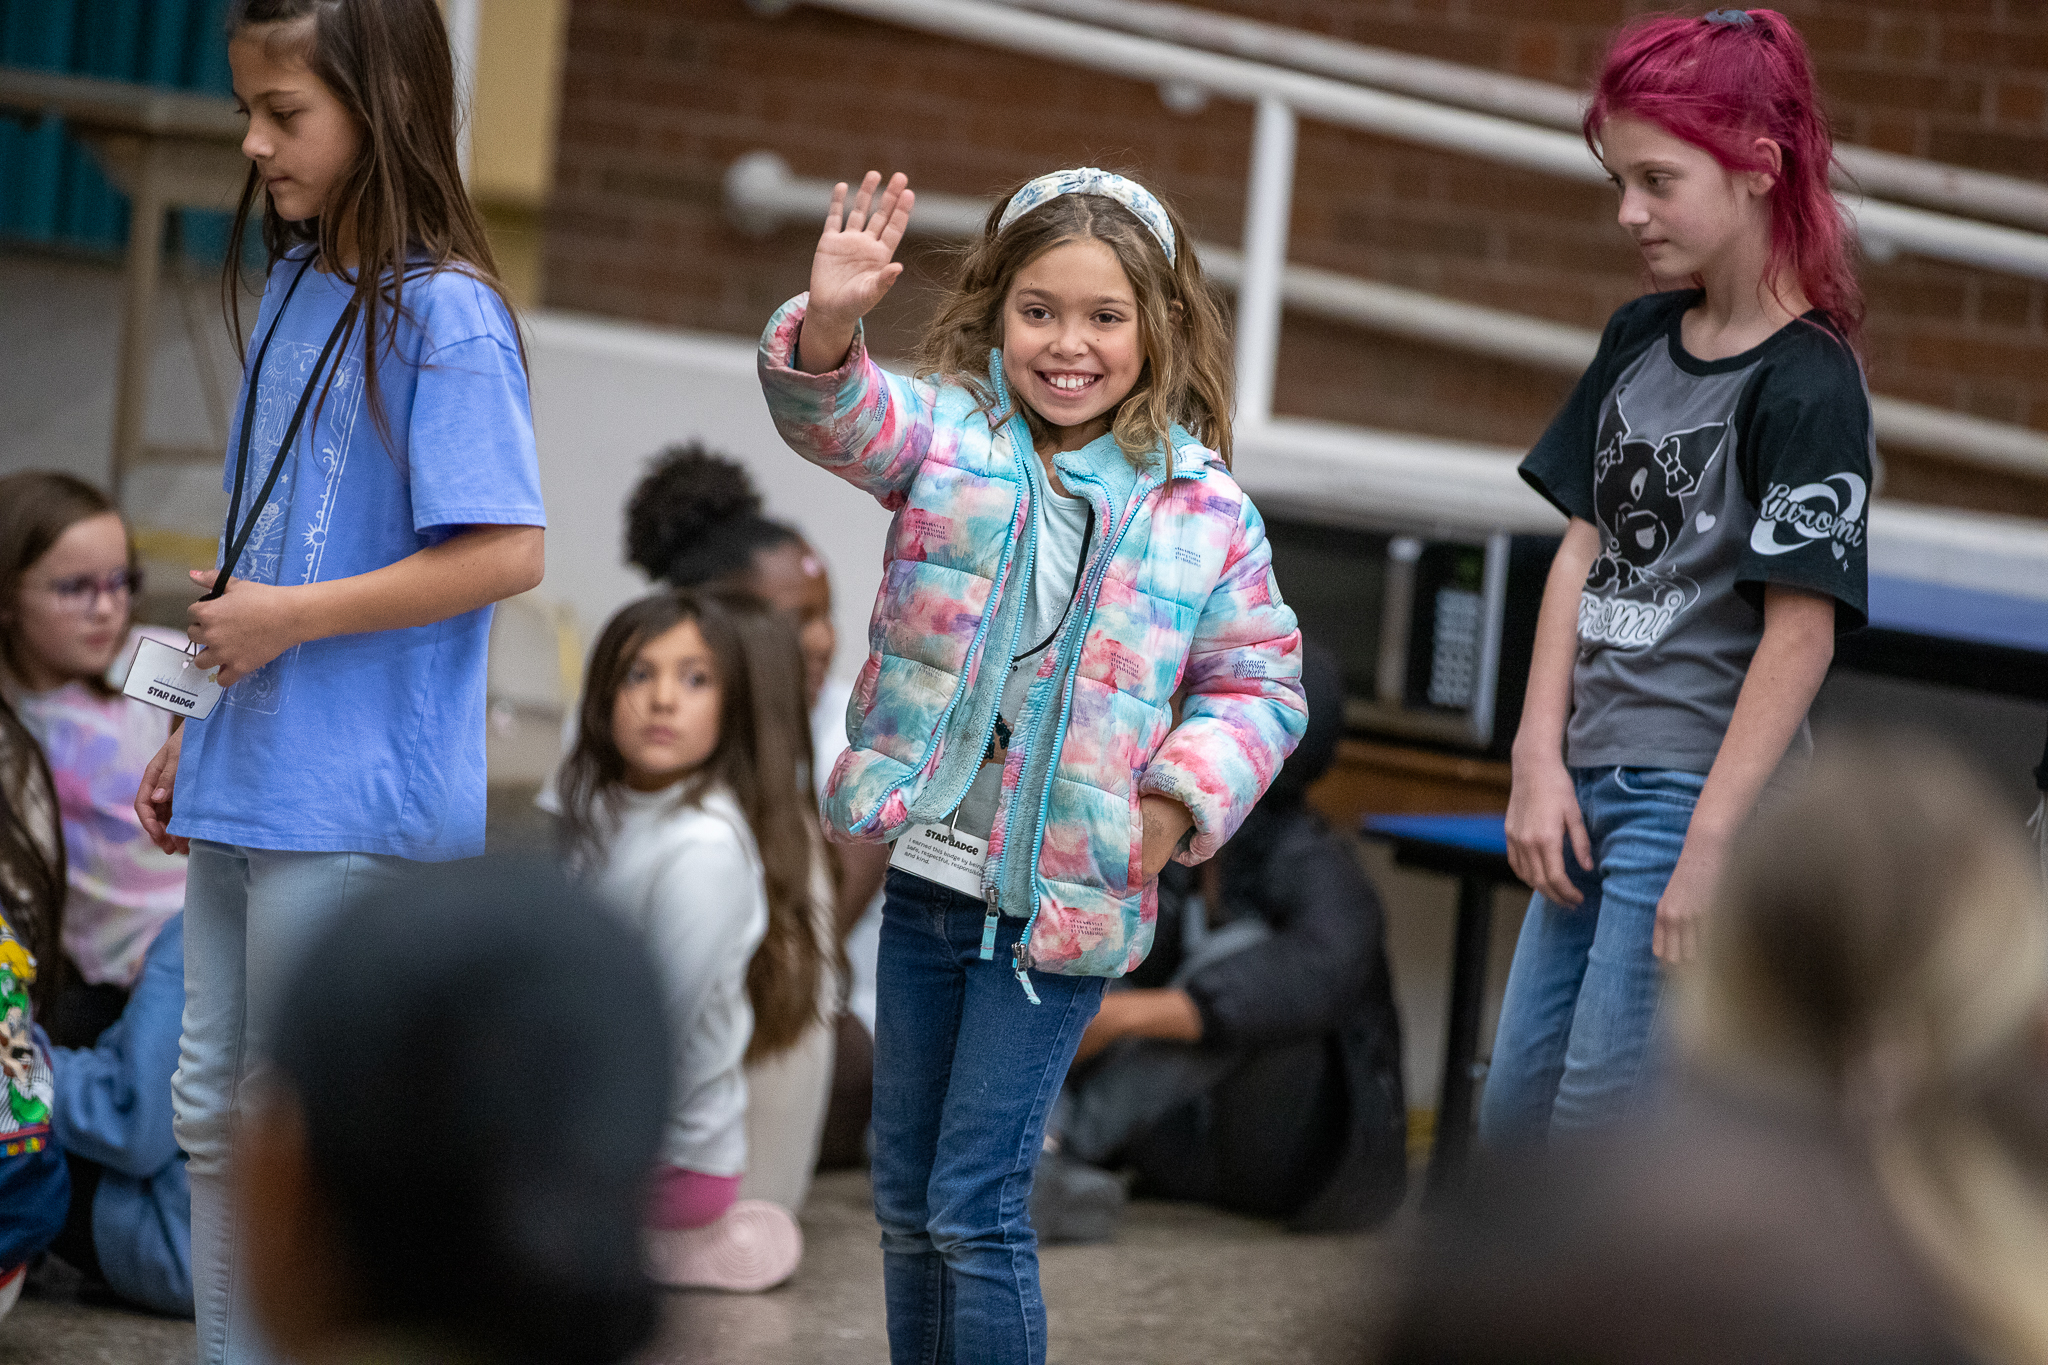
column 1069, row 554
column 383, row 492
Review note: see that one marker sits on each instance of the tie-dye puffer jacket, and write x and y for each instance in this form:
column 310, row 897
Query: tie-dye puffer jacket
column 1177, row 590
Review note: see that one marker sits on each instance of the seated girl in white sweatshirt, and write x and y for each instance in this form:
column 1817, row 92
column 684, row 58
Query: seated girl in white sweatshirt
column 687, row 798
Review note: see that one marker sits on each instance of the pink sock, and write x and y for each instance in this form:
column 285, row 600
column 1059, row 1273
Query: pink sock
column 689, row 1199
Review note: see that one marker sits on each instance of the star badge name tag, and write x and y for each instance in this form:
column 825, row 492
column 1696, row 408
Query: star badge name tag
column 165, row 677
column 942, row 854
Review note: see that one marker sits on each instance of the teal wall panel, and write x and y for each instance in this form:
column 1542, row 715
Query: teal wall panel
column 51, row 190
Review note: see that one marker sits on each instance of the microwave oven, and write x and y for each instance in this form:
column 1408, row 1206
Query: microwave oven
column 1433, row 629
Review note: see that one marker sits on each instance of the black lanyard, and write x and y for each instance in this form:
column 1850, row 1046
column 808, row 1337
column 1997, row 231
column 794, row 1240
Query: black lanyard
column 1001, row 734
column 1080, row 567
column 237, row 543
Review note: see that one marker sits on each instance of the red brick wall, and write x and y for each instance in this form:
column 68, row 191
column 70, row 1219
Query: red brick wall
column 661, row 95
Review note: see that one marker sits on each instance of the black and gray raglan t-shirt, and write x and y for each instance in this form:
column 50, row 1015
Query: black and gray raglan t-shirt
column 1706, row 479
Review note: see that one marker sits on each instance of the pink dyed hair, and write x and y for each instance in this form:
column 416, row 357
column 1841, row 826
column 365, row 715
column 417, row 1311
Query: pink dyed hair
column 1720, row 86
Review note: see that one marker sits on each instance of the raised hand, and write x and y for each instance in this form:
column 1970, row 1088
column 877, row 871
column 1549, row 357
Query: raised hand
column 854, row 266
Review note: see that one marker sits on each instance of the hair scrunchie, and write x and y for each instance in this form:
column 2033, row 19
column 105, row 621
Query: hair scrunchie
column 1089, row 180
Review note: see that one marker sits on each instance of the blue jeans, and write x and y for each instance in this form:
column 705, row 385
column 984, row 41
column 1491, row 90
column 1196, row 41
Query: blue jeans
column 966, row 1070
column 249, row 913
column 1578, row 1024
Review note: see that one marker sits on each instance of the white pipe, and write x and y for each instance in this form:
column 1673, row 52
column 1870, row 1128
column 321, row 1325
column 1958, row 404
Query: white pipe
column 1932, row 183
column 1268, row 208
column 1470, row 87
column 465, row 23
column 1974, row 440
column 1946, row 238
column 1478, row 135
column 1418, row 483
column 1483, row 136
column 1982, row 551
column 1439, row 321
column 1864, row 170
column 761, row 195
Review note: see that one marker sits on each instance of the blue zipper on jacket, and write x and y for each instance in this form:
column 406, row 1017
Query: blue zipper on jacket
column 980, row 632
column 990, row 888
column 1021, row 951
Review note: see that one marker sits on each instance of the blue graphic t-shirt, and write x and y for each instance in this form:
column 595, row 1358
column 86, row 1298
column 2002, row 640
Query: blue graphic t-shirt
column 370, row 743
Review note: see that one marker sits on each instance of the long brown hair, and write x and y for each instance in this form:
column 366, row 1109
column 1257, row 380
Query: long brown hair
column 763, row 757
column 1186, row 378
column 32, row 872
column 401, row 204
column 36, row 507
column 1879, row 948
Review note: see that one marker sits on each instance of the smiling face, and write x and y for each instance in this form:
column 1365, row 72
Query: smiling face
column 70, row 614
column 1689, row 215
column 301, row 137
column 665, row 717
column 1072, row 347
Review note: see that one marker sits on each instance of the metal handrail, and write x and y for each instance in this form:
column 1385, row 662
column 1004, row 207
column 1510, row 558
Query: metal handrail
column 1484, row 136
column 1862, row 170
column 761, row 195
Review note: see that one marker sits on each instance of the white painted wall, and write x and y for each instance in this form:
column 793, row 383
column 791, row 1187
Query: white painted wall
column 607, row 395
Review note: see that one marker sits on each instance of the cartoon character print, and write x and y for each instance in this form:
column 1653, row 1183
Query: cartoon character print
column 24, row 1068
column 1640, row 491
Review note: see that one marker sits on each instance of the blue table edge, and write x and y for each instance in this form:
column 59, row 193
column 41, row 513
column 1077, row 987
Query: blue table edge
column 1474, row 833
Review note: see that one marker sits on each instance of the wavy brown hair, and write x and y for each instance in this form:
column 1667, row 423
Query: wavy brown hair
column 402, row 205
column 37, row 506
column 1186, row 378
column 763, row 757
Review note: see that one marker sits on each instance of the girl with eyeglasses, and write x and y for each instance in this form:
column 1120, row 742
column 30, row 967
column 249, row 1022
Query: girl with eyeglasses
column 67, row 583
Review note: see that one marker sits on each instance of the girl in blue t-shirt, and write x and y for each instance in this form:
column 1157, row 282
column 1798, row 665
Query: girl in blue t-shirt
column 383, row 493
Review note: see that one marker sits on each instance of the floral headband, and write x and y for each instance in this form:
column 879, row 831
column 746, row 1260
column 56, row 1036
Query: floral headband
column 1089, row 180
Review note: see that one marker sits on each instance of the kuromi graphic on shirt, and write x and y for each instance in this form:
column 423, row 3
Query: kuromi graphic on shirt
column 1645, row 487
column 1710, row 484
column 1794, row 518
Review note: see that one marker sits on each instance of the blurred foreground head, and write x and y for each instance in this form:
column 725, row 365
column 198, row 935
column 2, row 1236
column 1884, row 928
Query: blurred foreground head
column 1850, row 1165
column 1881, row 945
column 452, row 1149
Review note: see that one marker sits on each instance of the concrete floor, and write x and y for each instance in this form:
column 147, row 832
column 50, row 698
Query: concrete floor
column 39, row 1332
column 1180, row 1284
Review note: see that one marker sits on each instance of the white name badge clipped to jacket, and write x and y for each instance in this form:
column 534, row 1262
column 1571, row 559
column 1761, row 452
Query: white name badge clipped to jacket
column 165, row 677
column 942, row 854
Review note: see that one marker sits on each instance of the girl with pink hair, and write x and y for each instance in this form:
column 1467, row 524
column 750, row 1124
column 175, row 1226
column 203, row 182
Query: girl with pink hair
column 1715, row 464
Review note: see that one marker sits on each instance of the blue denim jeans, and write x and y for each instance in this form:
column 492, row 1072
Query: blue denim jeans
column 966, row 1070
column 249, row 913
column 1578, row 1025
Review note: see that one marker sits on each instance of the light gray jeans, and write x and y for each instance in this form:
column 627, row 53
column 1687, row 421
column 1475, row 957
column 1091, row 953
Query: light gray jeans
column 249, row 913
